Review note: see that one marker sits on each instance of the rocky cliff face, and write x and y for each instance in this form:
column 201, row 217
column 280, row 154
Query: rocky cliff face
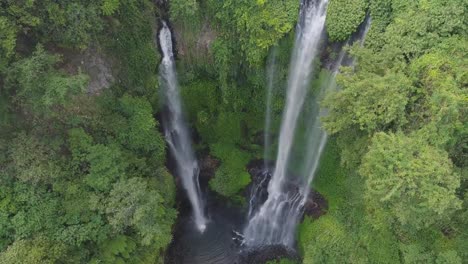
column 99, row 71
column 94, row 63
column 194, row 42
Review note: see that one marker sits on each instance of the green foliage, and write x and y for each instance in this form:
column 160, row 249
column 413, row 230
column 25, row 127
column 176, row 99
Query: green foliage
column 82, row 177
column 80, row 144
column 131, row 39
column 163, row 181
column 72, row 24
column 369, row 101
column 255, row 25
column 183, row 9
column 140, row 132
column 224, row 58
column 415, row 253
column 427, row 27
column 201, row 100
column 330, row 180
column 105, row 166
column 356, row 241
column 109, row 7
column 221, row 130
column 33, row 161
column 7, row 41
column 69, row 24
column 23, row 14
column 38, row 85
column 327, row 241
column 381, row 14
column 413, row 180
column 344, row 17
column 232, row 175
column 131, row 203
column 116, row 250
column 409, row 155
column 449, row 257
column 39, row 250
column 438, row 109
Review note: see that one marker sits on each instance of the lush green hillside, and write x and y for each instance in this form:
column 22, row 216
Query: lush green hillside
column 83, row 175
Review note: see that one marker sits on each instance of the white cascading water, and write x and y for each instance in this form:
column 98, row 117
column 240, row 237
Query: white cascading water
column 176, row 132
column 275, row 221
column 284, row 210
column 317, row 137
column 269, row 98
column 257, row 188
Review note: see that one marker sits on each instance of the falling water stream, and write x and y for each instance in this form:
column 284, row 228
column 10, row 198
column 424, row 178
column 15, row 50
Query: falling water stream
column 275, row 221
column 258, row 190
column 176, row 132
column 269, row 98
column 317, row 137
column 277, row 200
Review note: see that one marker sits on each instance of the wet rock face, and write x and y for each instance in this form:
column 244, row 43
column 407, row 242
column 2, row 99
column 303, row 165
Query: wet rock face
column 315, row 206
column 208, row 166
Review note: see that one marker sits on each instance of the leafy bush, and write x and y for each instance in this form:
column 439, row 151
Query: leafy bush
column 70, row 24
column 344, row 17
column 411, row 179
column 141, row 132
column 202, row 99
column 255, row 25
column 131, row 39
column 232, row 175
column 39, row 85
column 183, row 9
column 7, row 41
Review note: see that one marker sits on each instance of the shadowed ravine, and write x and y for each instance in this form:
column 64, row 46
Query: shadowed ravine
column 265, row 229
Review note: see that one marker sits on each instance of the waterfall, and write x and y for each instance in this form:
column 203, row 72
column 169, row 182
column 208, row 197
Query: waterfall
column 317, row 137
column 275, row 221
column 176, row 132
column 269, row 97
column 257, row 190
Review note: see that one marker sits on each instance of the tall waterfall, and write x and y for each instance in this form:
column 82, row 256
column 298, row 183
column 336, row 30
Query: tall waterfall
column 269, row 97
column 317, row 137
column 176, row 132
column 275, row 221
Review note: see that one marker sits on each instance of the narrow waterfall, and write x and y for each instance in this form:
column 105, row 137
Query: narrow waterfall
column 176, row 132
column 274, row 222
column 269, row 97
column 317, row 137
column 257, row 190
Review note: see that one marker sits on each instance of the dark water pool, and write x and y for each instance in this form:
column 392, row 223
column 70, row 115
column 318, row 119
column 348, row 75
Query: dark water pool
column 218, row 244
column 221, row 242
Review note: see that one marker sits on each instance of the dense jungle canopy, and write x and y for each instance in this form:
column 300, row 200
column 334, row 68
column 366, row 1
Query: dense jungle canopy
column 84, row 171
